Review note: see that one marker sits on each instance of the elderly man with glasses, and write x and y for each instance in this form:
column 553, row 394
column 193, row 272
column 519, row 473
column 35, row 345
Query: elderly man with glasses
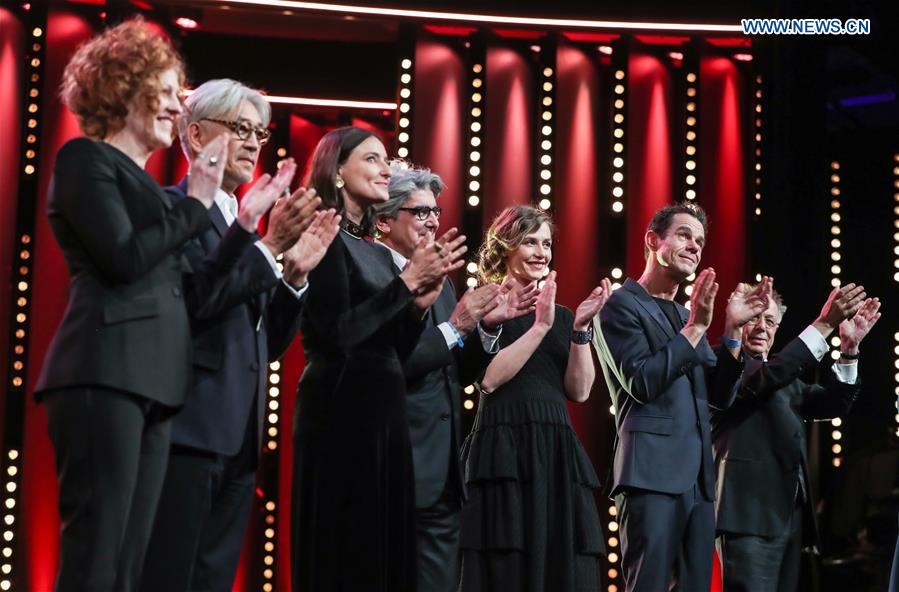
column 209, row 484
column 764, row 507
column 458, row 342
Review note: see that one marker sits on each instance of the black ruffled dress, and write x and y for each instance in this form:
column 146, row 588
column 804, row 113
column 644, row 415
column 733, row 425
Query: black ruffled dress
column 531, row 522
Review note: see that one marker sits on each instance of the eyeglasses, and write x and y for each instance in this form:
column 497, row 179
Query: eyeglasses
column 769, row 321
column 243, row 129
column 423, row 212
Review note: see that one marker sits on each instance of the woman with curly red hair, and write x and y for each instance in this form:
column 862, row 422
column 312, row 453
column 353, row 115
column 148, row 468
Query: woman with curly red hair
column 120, row 363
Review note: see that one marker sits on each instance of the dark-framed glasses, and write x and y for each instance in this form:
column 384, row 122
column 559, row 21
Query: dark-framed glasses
column 769, row 321
column 423, row 212
column 243, row 129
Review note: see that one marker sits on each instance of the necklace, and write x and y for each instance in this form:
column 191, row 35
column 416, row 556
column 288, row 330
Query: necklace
column 351, row 228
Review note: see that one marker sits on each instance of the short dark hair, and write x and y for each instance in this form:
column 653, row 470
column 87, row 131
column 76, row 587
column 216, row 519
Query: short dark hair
column 662, row 219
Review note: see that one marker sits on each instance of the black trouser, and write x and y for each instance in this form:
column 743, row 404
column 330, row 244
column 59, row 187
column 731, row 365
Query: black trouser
column 666, row 539
column 202, row 518
column 752, row 563
column 111, row 454
column 437, row 533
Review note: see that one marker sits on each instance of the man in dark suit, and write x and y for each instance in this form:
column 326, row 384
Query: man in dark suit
column 662, row 375
column 208, row 490
column 455, row 347
column 765, row 506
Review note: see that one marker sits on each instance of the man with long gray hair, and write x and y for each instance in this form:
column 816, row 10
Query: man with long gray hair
column 455, row 347
column 208, row 491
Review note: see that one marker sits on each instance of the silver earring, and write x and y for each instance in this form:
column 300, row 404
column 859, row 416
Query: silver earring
column 339, row 182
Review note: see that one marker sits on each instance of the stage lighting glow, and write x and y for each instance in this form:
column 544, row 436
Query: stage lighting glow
column 605, row 49
column 489, row 19
column 743, row 57
column 186, row 23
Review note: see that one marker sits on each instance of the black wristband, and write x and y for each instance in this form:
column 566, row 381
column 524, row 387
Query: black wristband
column 846, row 356
column 582, row 337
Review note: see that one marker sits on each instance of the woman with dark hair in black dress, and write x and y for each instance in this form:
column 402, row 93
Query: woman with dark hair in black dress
column 353, row 489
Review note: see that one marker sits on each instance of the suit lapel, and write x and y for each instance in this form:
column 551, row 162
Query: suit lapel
column 139, row 174
column 650, row 306
column 218, row 220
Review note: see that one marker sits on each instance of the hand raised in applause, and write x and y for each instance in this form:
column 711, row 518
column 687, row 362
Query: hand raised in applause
column 289, row 219
column 841, row 304
column 747, row 302
column 474, row 304
column 206, row 171
column 306, row 253
column 515, row 300
column 431, row 261
column 263, row 194
column 853, row 330
column 591, row 305
column 545, row 312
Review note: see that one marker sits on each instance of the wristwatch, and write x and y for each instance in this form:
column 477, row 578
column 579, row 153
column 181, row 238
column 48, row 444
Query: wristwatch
column 582, row 337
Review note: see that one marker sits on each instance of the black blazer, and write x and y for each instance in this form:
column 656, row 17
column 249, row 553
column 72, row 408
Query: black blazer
column 434, row 376
column 760, row 446
column 230, row 356
column 661, row 388
column 126, row 325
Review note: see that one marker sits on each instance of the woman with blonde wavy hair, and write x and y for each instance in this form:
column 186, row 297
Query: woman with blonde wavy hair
column 531, row 522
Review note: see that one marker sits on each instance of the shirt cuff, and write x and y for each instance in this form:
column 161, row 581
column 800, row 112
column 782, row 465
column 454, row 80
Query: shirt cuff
column 297, row 292
column 814, row 342
column 269, row 257
column 448, row 334
column 846, row 373
column 490, row 341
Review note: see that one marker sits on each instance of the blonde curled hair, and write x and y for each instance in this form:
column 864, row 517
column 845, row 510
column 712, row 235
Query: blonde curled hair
column 506, row 234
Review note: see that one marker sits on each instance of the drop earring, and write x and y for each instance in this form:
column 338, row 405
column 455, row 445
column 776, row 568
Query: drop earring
column 339, row 182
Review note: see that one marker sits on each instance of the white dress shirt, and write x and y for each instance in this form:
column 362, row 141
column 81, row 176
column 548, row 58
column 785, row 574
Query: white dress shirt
column 811, row 337
column 227, row 204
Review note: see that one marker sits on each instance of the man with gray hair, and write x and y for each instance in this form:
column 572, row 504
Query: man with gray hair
column 208, row 491
column 453, row 350
column 765, row 505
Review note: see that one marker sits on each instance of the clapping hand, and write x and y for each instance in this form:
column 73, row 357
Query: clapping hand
column 515, row 300
column 854, row 330
column 545, row 312
column 307, row 252
column 207, row 169
column 290, row 217
column 841, row 304
column 262, row 195
column 474, row 304
column 588, row 309
column 702, row 301
column 745, row 302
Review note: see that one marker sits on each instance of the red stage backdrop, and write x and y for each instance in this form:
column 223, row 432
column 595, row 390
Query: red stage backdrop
column 581, row 138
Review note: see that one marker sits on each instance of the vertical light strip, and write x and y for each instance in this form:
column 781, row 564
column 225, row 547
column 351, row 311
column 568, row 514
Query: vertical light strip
column 546, row 109
column 835, row 271
column 616, row 230
column 475, row 149
column 757, row 148
column 619, row 116
column 270, row 493
column 896, row 273
column 691, row 150
column 404, row 110
column 472, row 213
column 35, row 17
column 614, row 554
column 691, row 135
column 269, row 481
